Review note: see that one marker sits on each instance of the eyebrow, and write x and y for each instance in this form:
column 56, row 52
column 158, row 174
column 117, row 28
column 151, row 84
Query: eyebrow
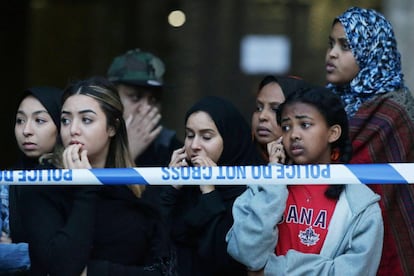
column 33, row 113
column 297, row 117
column 80, row 112
column 341, row 39
column 270, row 103
column 201, row 130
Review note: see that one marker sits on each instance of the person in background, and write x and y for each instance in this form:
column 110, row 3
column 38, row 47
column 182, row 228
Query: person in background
column 216, row 134
column 138, row 77
column 93, row 230
column 36, row 132
column 271, row 92
column 363, row 66
column 309, row 229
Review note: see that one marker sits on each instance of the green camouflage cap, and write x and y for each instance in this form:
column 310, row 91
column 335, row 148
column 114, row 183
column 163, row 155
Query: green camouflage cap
column 137, row 67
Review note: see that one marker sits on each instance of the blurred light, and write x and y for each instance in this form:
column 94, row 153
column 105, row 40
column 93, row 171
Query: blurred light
column 176, row 18
column 261, row 54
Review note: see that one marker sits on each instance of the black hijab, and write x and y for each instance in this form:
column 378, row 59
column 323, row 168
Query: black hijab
column 50, row 98
column 238, row 148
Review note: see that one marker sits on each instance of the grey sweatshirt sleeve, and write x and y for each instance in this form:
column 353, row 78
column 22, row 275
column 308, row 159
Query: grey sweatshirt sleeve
column 256, row 212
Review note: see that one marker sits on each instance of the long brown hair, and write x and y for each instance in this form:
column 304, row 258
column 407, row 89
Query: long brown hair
column 107, row 96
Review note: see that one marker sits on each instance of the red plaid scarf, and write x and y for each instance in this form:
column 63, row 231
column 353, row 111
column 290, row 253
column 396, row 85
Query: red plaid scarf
column 382, row 131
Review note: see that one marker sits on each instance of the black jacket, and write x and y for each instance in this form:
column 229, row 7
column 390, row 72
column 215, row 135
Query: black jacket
column 106, row 229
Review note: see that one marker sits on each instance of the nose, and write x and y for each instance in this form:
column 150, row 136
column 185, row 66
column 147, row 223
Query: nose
column 195, row 144
column 295, row 134
column 332, row 52
column 265, row 115
column 74, row 128
column 28, row 129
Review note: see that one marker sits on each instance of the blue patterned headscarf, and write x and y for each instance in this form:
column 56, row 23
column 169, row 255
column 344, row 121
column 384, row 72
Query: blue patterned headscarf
column 373, row 44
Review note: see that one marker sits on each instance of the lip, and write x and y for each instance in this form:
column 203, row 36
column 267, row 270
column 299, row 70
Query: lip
column 74, row 142
column 330, row 67
column 262, row 131
column 29, row 146
column 296, row 150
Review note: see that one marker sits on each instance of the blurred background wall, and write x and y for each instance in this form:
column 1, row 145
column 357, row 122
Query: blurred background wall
column 51, row 42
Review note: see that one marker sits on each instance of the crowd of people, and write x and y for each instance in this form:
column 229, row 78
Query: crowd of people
column 363, row 114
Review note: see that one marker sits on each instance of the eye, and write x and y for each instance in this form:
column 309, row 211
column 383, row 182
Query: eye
column 285, row 128
column 306, row 125
column 189, row 135
column 87, row 120
column 134, row 97
column 345, row 46
column 259, row 108
column 64, row 121
column 207, row 137
column 40, row 121
column 19, row 121
column 275, row 109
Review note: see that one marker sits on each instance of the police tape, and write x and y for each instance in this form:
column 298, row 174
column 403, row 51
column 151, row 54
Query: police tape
column 391, row 173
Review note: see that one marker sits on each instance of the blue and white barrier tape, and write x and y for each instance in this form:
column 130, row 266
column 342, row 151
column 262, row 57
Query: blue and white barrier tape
column 392, row 173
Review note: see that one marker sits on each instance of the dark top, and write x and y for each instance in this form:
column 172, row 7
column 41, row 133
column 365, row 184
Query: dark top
column 59, row 221
column 17, row 231
column 199, row 222
column 158, row 154
column 106, row 228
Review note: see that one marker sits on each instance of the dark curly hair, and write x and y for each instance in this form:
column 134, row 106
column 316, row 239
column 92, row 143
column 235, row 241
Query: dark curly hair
column 331, row 108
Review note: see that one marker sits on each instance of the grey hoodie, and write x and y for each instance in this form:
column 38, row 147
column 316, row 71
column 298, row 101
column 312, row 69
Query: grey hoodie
column 353, row 245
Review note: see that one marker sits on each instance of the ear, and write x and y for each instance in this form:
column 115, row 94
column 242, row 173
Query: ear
column 334, row 133
column 111, row 132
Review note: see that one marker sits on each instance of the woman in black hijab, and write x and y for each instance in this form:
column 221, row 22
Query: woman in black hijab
column 36, row 131
column 49, row 100
column 200, row 216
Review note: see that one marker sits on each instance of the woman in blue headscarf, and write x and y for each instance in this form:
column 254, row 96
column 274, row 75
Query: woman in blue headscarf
column 363, row 66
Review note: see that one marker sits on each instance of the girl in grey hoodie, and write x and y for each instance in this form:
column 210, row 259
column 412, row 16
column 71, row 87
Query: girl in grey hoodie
column 309, row 229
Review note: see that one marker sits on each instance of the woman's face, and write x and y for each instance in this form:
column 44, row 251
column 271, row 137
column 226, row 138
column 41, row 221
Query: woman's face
column 35, row 131
column 202, row 137
column 341, row 65
column 264, row 125
column 84, row 122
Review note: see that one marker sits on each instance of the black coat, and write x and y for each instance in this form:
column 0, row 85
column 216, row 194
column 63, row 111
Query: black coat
column 107, row 229
column 199, row 222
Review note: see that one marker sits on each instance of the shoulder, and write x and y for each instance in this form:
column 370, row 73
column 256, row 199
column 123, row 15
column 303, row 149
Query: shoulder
column 394, row 110
column 396, row 103
column 360, row 197
column 167, row 137
column 404, row 99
